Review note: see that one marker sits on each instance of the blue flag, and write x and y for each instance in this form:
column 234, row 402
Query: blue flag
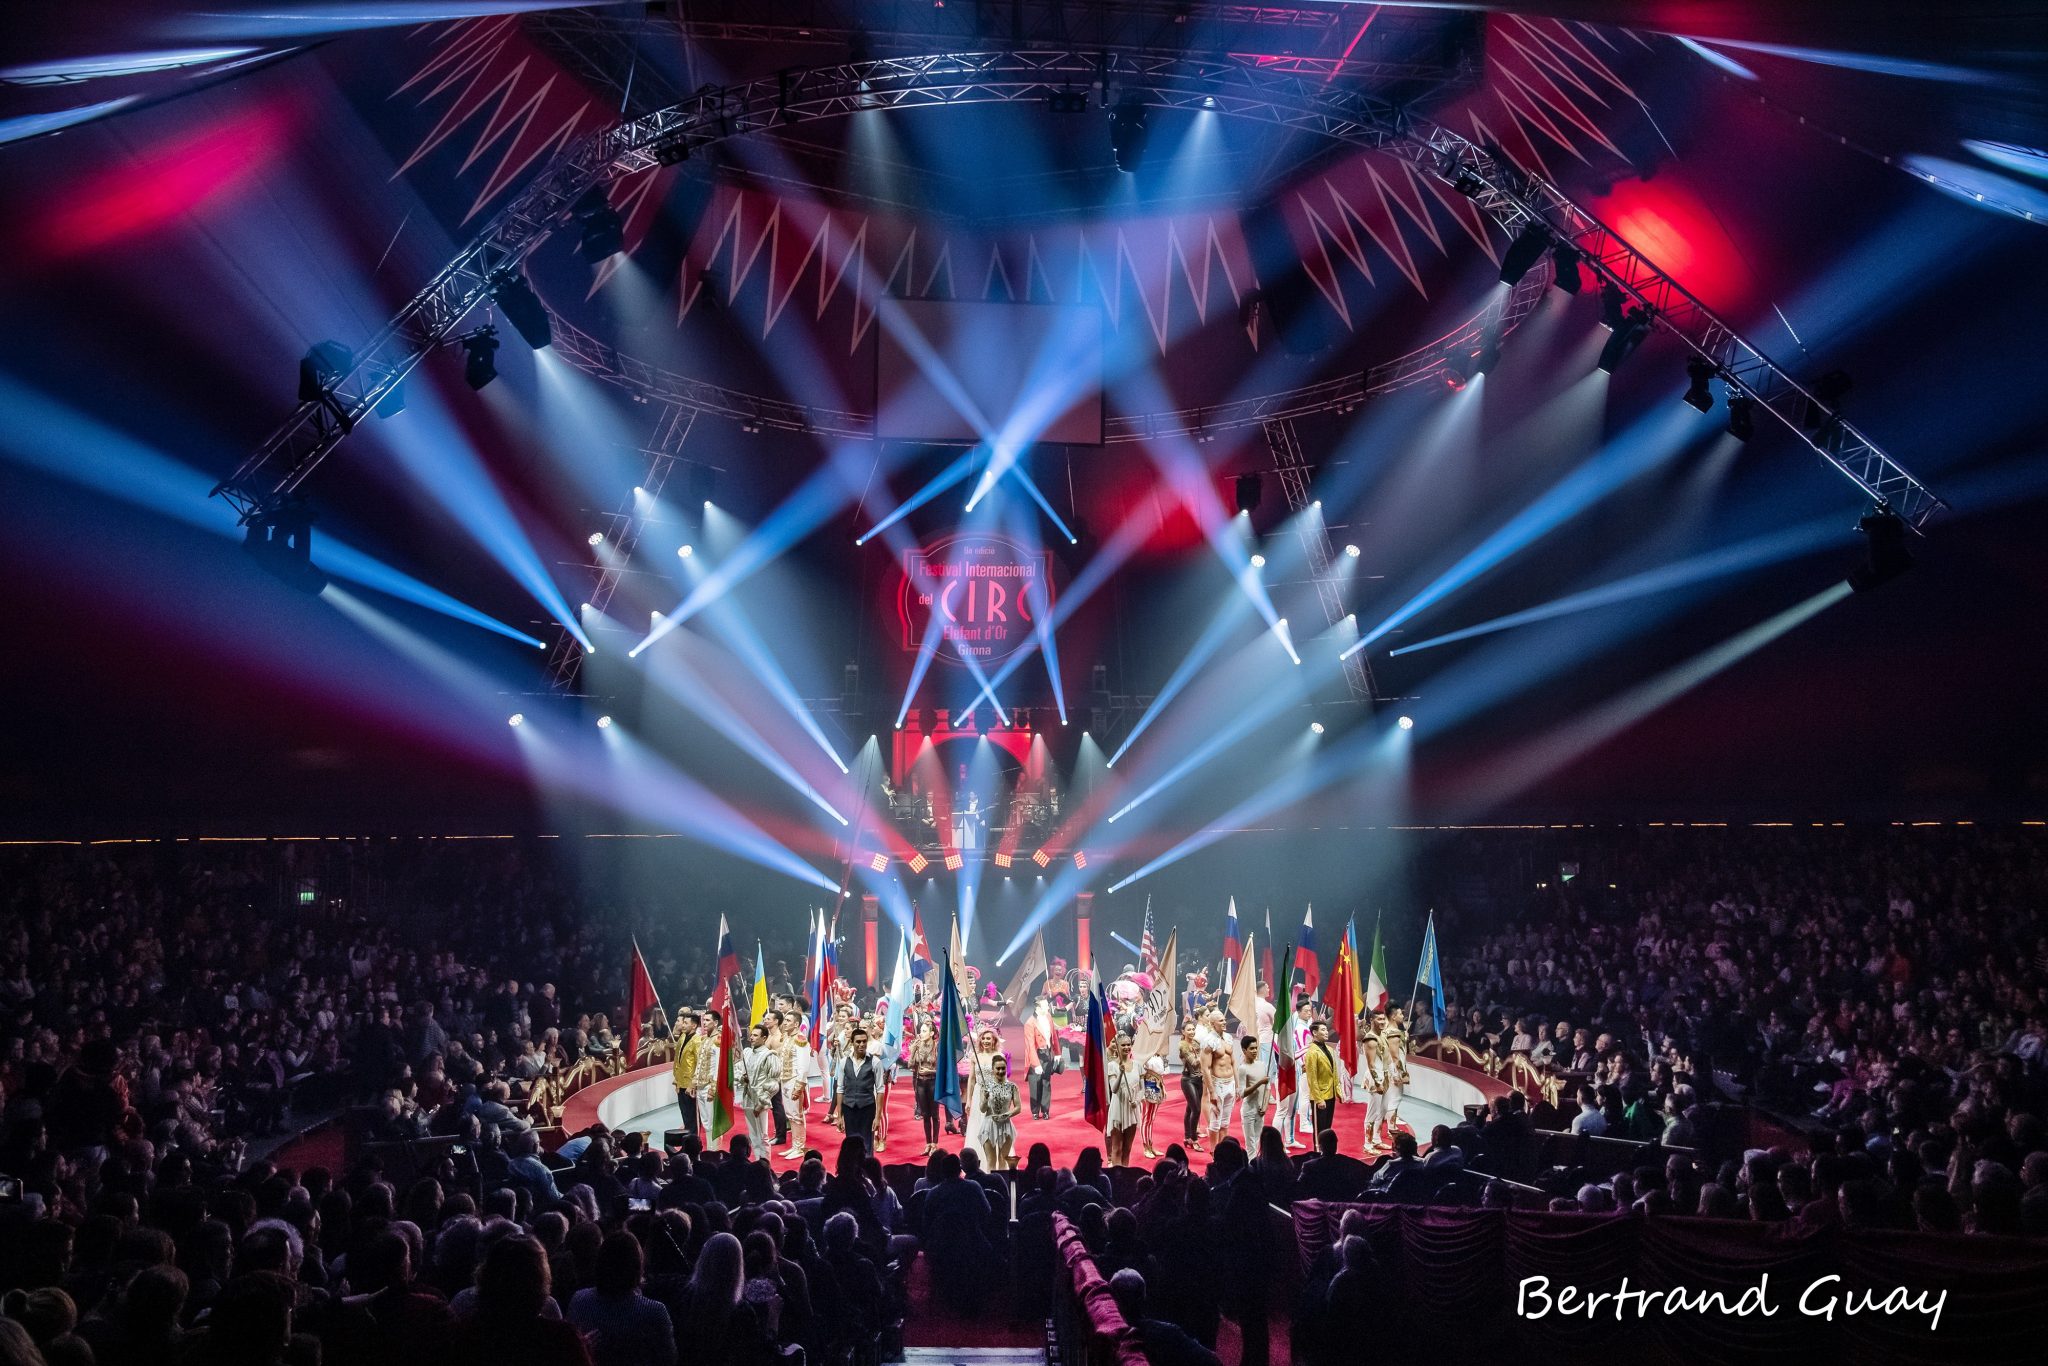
column 1430, row 973
column 899, row 1003
column 946, row 1086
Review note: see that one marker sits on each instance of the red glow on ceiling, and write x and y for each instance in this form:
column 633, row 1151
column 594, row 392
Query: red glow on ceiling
column 1674, row 227
column 163, row 183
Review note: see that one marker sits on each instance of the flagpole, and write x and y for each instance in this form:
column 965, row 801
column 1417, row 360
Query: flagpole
column 1417, row 988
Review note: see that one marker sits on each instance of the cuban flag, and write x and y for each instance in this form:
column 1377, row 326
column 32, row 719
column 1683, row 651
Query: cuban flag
column 1308, row 969
column 920, row 949
column 728, row 965
column 1233, row 947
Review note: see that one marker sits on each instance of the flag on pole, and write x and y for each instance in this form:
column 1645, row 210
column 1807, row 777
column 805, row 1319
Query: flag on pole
column 1357, row 977
column 759, row 1006
column 1233, row 948
column 1148, row 947
column 1429, row 973
column 725, row 1109
column 728, row 965
column 1017, row 996
column 1094, row 1074
column 828, row 977
column 1376, row 973
column 899, row 1004
column 946, row 1085
column 958, row 950
column 814, row 976
column 640, row 998
column 1338, row 994
column 1306, row 965
column 1244, row 1003
column 920, row 949
column 1283, row 1033
column 1157, row 1009
column 1266, row 959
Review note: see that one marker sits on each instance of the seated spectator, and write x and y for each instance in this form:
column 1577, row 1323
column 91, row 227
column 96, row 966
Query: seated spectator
column 623, row 1326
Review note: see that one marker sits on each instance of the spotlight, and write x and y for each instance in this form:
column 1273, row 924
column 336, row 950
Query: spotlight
column 1634, row 327
column 604, row 723
column 684, row 552
column 280, row 539
column 523, row 309
column 1522, row 253
column 1004, row 860
column 1406, row 723
column 1080, row 858
column 1315, row 727
column 1564, row 260
column 1258, row 561
column 1741, row 416
column 954, row 863
column 597, row 538
column 1042, row 859
column 1467, row 182
column 604, row 234
column 918, row 863
column 880, row 863
column 1352, row 551
column 584, row 608
column 1613, row 307
column 1067, row 101
column 1249, row 489
column 672, row 150
column 1885, row 556
column 480, row 357
column 1128, row 133
column 517, row 718
column 1698, row 372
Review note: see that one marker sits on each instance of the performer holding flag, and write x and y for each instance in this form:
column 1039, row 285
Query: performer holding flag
column 1429, row 973
column 1291, row 1041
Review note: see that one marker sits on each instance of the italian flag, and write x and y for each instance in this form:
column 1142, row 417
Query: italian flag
column 1376, row 973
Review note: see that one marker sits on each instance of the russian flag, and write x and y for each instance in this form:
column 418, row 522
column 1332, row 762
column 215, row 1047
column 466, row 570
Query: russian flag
column 920, row 950
column 1308, row 969
column 728, row 965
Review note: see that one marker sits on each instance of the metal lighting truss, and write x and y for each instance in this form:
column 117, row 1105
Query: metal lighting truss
column 671, row 431
column 1239, row 89
column 1519, row 202
column 1293, row 469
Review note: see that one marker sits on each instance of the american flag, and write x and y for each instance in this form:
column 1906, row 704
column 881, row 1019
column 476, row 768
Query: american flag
column 1148, row 947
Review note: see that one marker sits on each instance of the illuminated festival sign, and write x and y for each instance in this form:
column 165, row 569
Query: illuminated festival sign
column 987, row 591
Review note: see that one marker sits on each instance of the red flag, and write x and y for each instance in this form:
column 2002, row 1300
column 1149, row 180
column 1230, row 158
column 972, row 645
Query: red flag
column 640, row 998
column 1094, row 1073
column 1266, row 957
column 1337, row 995
column 731, row 1035
column 728, row 965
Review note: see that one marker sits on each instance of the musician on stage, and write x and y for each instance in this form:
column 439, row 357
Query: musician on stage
column 1041, row 1052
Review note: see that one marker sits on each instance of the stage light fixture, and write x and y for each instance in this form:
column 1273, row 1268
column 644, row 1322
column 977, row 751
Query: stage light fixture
column 684, row 552
column 280, row 539
column 523, row 309
column 596, row 538
column 1885, row 555
column 1406, row 723
column 517, row 718
column 1067, row 101
column 1564, row 261
column 1042, row 859
column 1523, row 253
column 1634, row 327
column 671, row 151
column 1352, row 551
column 954, row 863
column 879, row 862
column 585, row 607
column 1080, row 858
column 1613, row 307
column 1699, row 372
column 1315, row 727
column 480, row 357
column 1741, row 416
column 604, row 723
column 1258, row 561
column 320, row 370
column 918, row 863
column 1004, row 860
column 1249, row 489
column 1467, row 182
column 1128, row 133
column 603, row 232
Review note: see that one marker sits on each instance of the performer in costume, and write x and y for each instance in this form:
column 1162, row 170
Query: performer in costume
column 796, row 1086
column 980, row 1071
column 1122, row 1078
column 1041, row 1055
column 924, row 1077
column 1219, row 1077
column 1190, row 1056
column 682, row 1070
column 1151, row 1095
column 999, row 1107
column 1395, row 1043
column 706, row 1081
column 1253, row 1077
column 1322, row 1074
column 1297, row 1111
column 834, row 1041
column 756, row 1082
column 1372, row 1080
column 1195, row 1000
column 860, row 1078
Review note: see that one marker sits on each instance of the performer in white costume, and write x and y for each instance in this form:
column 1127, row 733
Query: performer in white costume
column 980, row 1073
column 1219, row 1069
column 756, row 1080
column 1372, row 1085
column 1395, row 1041
column 1297, row 1115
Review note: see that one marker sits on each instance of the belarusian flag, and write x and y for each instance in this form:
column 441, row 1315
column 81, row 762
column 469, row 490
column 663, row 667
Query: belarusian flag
column 726, row 1108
